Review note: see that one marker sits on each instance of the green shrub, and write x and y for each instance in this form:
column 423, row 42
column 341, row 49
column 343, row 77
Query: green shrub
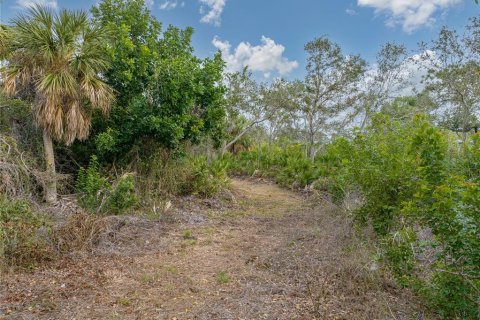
column 97, row 194
column 23, row 234
column 409, row 182
column 122, row 195
column 204, row 178
column 91, row 186
column 164, row 175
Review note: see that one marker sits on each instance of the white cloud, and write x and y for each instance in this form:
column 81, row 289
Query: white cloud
column 29, row 3
column 212, row 11
column 266, row 58
column 411, row 14
column 149, row 3
column 171, row 4
column 351, row 12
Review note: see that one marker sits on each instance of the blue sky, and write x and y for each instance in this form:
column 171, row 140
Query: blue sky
column 269, row 35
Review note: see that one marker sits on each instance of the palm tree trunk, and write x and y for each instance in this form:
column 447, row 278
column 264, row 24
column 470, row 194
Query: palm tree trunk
column 51, row 183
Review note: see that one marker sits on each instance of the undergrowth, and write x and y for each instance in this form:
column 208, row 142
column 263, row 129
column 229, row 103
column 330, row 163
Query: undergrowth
column 24, row 234
column 420, row 192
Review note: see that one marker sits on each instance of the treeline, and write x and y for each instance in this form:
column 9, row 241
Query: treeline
column 121, row 112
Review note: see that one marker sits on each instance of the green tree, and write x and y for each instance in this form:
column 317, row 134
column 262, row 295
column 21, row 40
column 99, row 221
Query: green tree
column 56, row 59
column 385, row 80
column 330, row 86
column 133, row 46
column 453, row 80
column 166, row 95
column 251, row 105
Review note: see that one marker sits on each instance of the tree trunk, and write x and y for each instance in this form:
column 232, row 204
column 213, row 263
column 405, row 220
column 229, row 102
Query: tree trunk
column 240, row 135
column 311, row 151
column 50, row 191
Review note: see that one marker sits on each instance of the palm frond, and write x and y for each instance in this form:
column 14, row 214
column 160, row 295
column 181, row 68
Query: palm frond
column 62, row 57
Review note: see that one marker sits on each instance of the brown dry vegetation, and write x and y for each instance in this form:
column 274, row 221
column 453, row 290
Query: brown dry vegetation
column 267, row 254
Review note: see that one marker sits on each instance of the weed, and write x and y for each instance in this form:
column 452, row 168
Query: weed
column 170, row 269
column 97, row 194
column 148, row 278
column 124, row 302
column 187, row 234
column 223, row 277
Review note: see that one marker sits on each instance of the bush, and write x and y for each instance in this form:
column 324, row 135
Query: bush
column 23, row 234
column 410, row 183
column 91, row 186
column 166, row 174
column 97, row 194
column 204, row 178
column 287, row 165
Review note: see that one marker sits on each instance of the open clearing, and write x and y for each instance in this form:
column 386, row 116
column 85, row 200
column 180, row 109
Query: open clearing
column 269, row 254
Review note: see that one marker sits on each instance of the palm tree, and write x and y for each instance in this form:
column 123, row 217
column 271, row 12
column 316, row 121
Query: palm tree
column 59, row 58
column 3, row 40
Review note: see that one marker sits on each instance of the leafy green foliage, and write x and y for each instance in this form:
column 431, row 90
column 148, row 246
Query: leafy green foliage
column 91, row 185
column 122, row 196
column 135, row 34
column 223, row 278
column 287, row 164
column 21, row 240
column 166, row 95
column 97, row 194
column 164, row 175
column 205, row 178
column 409, row 186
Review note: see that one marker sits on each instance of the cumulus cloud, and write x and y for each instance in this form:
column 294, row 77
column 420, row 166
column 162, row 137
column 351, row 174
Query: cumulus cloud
column 171, row 4
column 212, row 11
column 29, row 3
column 411, row 14
column 266, row 57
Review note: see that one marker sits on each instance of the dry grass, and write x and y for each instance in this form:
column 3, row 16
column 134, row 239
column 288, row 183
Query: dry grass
column 282, row 258
column 81, row 232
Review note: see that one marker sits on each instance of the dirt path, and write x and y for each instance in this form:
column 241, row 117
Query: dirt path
column 272, row 255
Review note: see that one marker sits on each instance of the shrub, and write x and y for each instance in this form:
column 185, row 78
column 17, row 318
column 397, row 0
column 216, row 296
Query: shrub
column 23, row 234
column 409, row 183
column 97, row 194
column 91, row 186
column 204, row 178
column 166, row 174
column 122, row 196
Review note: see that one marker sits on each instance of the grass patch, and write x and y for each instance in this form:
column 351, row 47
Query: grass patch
column 187, row 234
column 170, row 269
column 223, row 277
column 124, row 302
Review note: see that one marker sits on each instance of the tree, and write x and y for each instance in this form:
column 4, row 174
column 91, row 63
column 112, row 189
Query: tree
column 167, row 96
column 384, row 81
column 243, row 108
column 329, row 87
column 250, row 105
column 453, row 80
column 133, row 46
column 279, row 96
column 58, row 57
column 403, row 109
column 3, row 40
